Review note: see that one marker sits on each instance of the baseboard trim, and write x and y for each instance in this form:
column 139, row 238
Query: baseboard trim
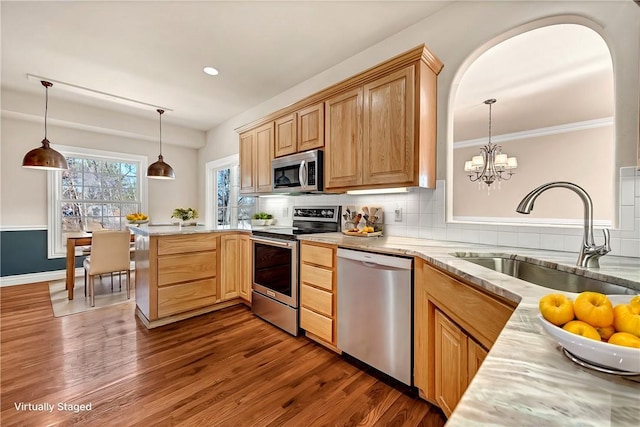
column 45, row 276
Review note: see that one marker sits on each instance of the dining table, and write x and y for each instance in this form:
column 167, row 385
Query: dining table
column 75, row 239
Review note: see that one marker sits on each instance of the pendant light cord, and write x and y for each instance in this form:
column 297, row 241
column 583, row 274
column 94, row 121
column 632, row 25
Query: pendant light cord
column 160, row 112
column 46, row 108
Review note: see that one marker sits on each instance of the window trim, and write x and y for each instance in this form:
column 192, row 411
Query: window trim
column 55, row 245
column 232, row 162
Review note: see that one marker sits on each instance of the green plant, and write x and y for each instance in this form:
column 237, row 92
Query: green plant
column 262, row 215
column 185, row 214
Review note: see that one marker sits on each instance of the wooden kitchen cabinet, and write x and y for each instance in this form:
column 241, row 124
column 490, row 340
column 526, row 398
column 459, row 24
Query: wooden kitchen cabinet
column 455, row 324
column 311, row 127
column 388, row 136
column 230, row 273
column 235, row 267
column 176, row 276
column 245, row 268
column 343, row 144
column 286, row 135
column 378, row 127
column 318, row 301
column 383, row 134
column 256, row 153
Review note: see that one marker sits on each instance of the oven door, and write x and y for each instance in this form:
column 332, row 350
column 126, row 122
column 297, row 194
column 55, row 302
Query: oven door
column 275, row 269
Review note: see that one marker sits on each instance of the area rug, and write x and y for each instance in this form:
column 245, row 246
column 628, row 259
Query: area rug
column 104, row 296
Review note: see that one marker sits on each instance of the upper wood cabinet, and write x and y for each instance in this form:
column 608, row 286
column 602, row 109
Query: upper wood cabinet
column 286, row 135
column 378, row 128
column 311, row 127
column 343, row 145
column 389, row 143
column 397, row 144
column 300, row 131
column 256, row 153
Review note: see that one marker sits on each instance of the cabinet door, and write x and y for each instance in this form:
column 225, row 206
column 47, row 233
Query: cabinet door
column 229, row 266
column 476, row 356
column 245, row 268
column 264, row 155
column 311, row 127
column 286, row 135
column 343, row 140
column 247, row 161
column 451, row 363
column 389, row 140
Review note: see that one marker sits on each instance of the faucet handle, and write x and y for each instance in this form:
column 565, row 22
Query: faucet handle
column 606, row 248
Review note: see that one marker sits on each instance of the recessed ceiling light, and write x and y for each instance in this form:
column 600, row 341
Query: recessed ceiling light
column 211, row 71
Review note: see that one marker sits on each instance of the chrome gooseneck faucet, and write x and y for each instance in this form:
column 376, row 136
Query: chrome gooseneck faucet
column 589, row 252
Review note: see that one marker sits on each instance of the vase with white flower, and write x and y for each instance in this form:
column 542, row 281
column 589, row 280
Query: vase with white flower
column 187, row 216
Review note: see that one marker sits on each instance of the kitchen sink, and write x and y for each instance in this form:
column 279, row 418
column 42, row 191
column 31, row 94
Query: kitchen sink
column 544, row 276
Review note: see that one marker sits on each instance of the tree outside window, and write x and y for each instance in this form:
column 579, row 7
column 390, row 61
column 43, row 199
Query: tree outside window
column 98, row 193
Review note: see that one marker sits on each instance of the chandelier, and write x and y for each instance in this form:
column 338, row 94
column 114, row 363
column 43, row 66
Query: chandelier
column 492, row 165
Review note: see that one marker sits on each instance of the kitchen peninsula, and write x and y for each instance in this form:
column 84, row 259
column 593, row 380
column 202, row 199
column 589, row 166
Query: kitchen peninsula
column 183, row 272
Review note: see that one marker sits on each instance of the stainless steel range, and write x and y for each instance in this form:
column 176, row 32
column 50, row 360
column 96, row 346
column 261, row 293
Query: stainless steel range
column 275, row 294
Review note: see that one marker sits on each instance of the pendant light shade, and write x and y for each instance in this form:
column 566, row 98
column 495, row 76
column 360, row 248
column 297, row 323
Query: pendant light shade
column 160, row 169
column 45, row 157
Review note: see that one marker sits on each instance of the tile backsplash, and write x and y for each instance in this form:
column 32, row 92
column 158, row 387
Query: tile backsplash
column 423, row 216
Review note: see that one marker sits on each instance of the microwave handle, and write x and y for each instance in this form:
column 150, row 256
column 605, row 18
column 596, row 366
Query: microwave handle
column 302, row 173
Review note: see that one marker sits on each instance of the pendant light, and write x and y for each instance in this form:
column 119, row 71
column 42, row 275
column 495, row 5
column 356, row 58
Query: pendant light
column 45, row 157
column 160, row 169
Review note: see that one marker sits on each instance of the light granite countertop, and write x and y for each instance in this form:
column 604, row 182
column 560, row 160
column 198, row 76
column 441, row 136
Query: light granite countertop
column 525, row 379
column 170, row 229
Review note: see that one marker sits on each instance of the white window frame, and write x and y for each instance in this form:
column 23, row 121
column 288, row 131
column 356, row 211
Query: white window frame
column 211, row 189
column 56, row 246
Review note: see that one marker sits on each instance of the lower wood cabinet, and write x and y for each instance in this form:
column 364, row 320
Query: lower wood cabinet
column 318, row 292
column 246, row 268
column 455, row 326
column 183, row 275
column 235, row 267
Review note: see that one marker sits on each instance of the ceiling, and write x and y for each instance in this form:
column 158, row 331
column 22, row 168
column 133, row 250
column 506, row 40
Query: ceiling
column 154, row 51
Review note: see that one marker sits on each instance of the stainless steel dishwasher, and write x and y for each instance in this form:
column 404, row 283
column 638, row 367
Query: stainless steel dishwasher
column 375, row 311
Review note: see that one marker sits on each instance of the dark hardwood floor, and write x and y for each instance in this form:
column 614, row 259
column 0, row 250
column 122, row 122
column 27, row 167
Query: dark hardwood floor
column 226, row 368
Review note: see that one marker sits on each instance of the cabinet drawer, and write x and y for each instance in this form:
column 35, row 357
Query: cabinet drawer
column 316, row 300
column 316, row 324
column 317, row 276
column 186, row 296
column 318, row 255
column 186, row 243
column 478, row 313
column 183, row 268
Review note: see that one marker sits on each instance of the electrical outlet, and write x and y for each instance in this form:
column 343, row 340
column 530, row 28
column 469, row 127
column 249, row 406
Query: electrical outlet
column 398, row 214
column 285, row 212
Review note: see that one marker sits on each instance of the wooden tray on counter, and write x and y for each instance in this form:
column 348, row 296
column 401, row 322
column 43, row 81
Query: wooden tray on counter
column 361, row 234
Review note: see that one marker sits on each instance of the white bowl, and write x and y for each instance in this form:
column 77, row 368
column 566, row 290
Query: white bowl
column 597, row 352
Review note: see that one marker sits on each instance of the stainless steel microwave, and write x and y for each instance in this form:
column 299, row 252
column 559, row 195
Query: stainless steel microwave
column 298, row 173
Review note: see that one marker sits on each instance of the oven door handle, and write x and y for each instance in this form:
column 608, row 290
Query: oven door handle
column 272, row 242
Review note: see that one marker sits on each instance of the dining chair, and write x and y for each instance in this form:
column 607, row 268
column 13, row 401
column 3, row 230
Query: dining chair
column 110, row 253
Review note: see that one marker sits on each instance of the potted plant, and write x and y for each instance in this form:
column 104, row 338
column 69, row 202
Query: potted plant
column 186, row 216
column 261, row 218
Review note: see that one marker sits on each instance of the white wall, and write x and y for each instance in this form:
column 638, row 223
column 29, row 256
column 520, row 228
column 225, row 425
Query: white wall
column 23, row 199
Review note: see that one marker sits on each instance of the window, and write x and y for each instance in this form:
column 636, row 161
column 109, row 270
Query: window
column 227, row 206
column 97, row 191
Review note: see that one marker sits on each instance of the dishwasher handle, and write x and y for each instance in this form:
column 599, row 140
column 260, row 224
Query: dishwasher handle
column 370, row 259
